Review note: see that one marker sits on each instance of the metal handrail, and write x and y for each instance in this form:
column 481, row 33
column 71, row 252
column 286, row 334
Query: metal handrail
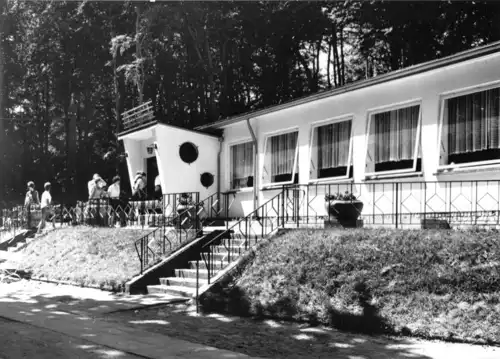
column 208, row 260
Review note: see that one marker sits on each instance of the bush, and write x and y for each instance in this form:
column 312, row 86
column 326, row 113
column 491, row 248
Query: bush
column 430, row 283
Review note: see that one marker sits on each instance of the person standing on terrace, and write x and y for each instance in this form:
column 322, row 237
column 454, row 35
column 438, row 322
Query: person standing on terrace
column 96, row 187
column 158, row 192
column 114, row 194
column 139, row 187
column 31, row 195
column 46, row 206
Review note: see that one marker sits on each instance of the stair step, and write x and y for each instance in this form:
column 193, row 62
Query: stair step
column 172, row 290
column 191, row 273
column 216, row 264
column 222, row 249
column 182, row 282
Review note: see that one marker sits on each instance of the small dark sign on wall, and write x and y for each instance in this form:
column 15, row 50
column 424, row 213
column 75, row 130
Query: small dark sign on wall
column 207, row 179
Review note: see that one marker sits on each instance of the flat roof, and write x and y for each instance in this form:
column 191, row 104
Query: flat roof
column 390, row 76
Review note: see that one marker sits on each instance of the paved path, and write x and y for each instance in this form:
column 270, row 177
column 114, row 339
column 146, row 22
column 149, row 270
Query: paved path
column 21, row 340
column 64, row 321
column 75, row 315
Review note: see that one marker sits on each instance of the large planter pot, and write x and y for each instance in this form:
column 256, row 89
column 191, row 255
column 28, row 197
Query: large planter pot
column 344, row 211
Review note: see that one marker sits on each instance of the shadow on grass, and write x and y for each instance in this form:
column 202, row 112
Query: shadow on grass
column 234, row 301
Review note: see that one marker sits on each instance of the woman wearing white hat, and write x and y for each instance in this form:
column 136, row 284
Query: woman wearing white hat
column 139, row 187
column 96, row 187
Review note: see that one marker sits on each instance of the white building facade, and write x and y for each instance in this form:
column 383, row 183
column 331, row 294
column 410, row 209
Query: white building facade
column 421, row 142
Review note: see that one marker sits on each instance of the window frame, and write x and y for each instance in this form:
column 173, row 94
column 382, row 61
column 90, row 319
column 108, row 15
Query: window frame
column 387, row 108
column 267, row 136
column 442, row 101
column 314, row 127
column 229, row 162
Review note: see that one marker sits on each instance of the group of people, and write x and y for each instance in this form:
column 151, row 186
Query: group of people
column 97, row 190
column 45, row 203
column 97, row 187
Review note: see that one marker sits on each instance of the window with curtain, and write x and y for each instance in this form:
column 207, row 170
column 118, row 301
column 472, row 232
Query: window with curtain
column 242, row 165
column 330, row 155
column 394, row 140
column 471, row 128
column 280, row 158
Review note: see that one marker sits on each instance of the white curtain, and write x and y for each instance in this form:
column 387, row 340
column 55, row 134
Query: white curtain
column 333, row 145
column 395, row 134
column 242, row 164
column 473, row 122
column 282, row 153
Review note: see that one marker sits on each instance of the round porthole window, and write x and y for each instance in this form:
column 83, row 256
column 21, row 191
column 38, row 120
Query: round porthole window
column 207, row 179
column 188, row 152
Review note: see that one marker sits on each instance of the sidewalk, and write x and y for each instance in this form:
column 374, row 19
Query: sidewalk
column 31, row 310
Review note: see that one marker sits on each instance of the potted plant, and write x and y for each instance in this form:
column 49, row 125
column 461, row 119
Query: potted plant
column 344, row 208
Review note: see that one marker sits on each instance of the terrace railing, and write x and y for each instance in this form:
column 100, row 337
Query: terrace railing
column 97, row 212
column 138, row 116
column 404, row 204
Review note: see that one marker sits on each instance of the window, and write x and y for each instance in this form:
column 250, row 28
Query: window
column 394, row 141
column 331, row 151
column 242, row 165
column 470, row 131
column 280, row 162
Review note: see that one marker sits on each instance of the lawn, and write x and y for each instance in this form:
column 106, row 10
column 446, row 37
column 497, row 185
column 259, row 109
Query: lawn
column 103, row 257
column 434, row 284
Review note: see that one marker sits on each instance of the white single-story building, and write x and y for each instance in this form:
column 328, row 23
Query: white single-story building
column 420, row 141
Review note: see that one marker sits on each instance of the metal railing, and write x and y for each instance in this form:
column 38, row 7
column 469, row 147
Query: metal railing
column 179, row 230
column 138, row 116
column 216, row 206
column 96, row 212
column 174, row 233
column 222, row 250
column 403, row 204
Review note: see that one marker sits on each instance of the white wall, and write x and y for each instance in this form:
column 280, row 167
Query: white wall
column 426, row 87
column 135, row 158
column 178, row 176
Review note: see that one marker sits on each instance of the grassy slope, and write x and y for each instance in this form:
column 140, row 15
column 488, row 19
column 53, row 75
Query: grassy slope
column 105, row 257
column 440, row 284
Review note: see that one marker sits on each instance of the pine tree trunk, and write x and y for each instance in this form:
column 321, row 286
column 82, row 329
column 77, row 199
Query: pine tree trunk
column 342, row 55
column 328, row 63
column 3, row 6
column 138, row 52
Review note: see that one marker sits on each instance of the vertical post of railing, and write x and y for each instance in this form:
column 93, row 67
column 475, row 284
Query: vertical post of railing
column 425, row 204
column 282, row 208
column 142, row 255
column 197, row 282
column 397, row 204
column 475, row 201
column 373, row 203
column 296, row 198
column 209, row 264
column 197, row 217
column 449, row 200
column 262, row 224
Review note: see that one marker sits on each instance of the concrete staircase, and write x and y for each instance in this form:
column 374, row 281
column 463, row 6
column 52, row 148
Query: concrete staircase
column 225, row 252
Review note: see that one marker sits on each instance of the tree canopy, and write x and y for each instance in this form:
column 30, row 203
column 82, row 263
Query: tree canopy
column 69, row 69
